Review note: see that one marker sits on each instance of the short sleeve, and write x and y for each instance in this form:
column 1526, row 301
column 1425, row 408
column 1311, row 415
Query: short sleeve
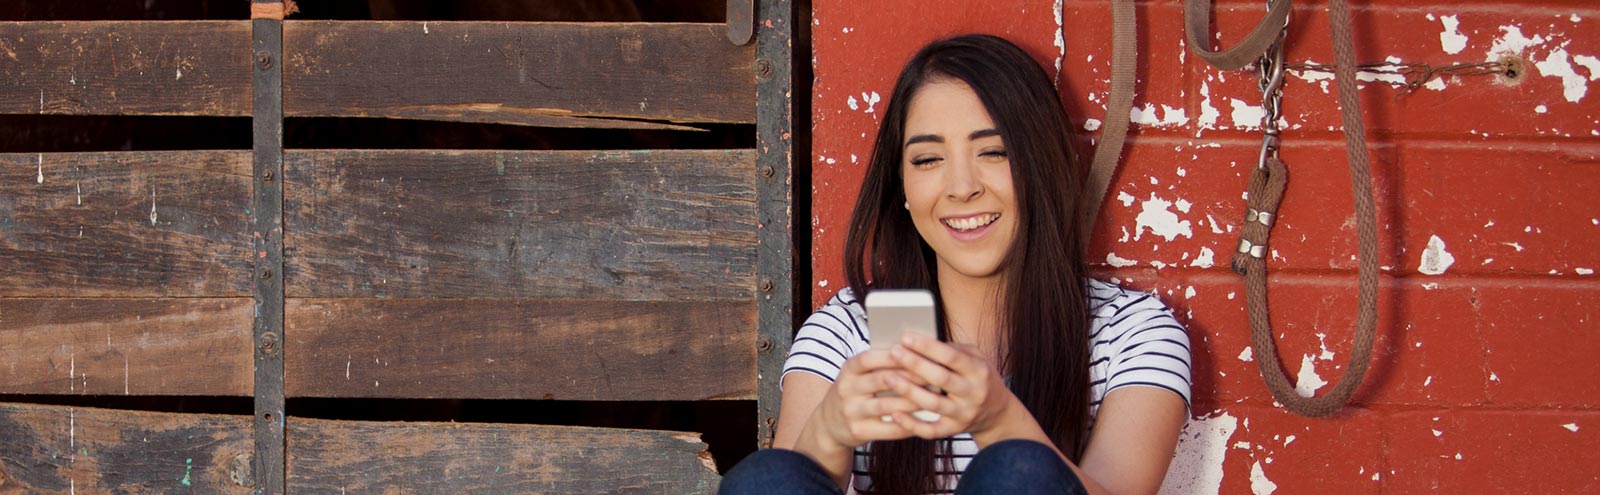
column 828, row 338
column 1150, row 348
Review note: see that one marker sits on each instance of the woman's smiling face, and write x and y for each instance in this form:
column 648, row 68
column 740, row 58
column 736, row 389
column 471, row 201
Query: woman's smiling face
column 957, row 179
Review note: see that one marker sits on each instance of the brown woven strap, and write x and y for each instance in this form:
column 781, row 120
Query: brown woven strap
column 1266, row 191
column 1119, row 104
column 1197, row 29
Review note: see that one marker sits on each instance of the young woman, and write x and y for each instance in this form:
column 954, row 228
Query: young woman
column 1052, row 382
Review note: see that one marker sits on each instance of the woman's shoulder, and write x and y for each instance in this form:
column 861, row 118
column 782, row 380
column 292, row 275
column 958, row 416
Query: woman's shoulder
column 1109, row 301
column 844, row 314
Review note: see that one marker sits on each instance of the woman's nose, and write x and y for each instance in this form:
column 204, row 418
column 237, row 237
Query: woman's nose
column 961, row 180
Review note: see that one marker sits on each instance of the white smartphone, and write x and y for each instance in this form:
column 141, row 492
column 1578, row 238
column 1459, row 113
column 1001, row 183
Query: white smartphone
column 893, row 312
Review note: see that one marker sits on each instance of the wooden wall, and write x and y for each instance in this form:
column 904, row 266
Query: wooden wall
column 594, row 275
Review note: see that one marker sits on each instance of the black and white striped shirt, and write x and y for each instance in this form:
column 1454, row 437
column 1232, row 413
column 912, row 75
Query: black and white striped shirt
column 1134, row 342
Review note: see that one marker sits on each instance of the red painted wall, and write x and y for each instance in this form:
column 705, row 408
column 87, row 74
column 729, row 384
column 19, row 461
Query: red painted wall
column 1486, row 374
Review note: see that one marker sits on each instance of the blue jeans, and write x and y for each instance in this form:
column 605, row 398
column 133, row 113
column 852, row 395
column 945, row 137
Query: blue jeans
column 1011, row 467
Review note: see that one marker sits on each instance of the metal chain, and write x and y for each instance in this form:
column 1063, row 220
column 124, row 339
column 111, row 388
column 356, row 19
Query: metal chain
column 1271, row 71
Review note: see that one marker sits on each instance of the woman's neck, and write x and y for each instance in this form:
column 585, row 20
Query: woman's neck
column 972, row 310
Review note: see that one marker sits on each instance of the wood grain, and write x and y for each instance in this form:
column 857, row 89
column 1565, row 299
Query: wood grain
column 125, row 68
column 641, row 225
column 555, row 74
column 59, row 449
column 169, row 346
column 520, row 349
column 380, row 458
column 125, row 224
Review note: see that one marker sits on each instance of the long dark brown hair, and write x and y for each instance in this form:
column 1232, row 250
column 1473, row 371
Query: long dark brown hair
column 1045, row 316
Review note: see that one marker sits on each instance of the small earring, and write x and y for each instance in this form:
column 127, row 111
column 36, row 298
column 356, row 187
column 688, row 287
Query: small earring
column 908, row 206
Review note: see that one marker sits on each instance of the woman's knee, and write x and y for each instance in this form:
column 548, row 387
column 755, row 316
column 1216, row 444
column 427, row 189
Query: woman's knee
column 1019, row 467
column 777, row 471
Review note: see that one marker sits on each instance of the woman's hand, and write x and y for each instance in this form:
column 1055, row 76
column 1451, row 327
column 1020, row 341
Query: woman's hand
column 975, row 398
column 851, row 414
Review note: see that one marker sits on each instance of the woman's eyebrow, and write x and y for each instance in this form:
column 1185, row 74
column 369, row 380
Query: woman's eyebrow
column 925, row 138
column 980, row 134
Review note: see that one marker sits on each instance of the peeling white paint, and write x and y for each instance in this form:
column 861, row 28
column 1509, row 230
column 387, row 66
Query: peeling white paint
column 1541, row 109
column 1248, row 354
column 1435, row 260
column 1590, row 63
column 850, row 101
column 1159, row 220
column 1061, row 44
column 1572, row 427
column 1511, row 42
column 1118, row 261
column 1308, row 382
column 41, row 168
column 1558, row 65
column 1259, row 484
column 1288, row 440
column 1206, row 259
column 1168, row 116
column 1231, row 295
column 871, row 100
column 1125, row 198
column 1437, row 433
column 1451, row 39
column 1208, row 112
column 1246, row 116
column 1215, row 229
column 1189, row 293
column 1514, row 245
column 1197, row 463
column 1493, row 377
column 1091, row 125
column 1182, row 204
column 1583, row 271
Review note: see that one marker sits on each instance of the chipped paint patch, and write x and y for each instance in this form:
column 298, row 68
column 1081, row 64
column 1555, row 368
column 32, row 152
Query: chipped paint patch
column 1248, row 354
column 1118, row 261
column 1091, row 125
column 1583, row 271
column 1558, row 64
column 1308, row 381
column 1451, row 38
column 1572, row 427
column 1061, row 43
column 1511, row 42
column 1435, row 260
column 1168, row 116
column 1259, row 484
column 1246, row 116
column 1208, row 112
column 1197, row 463
column 1206, row 259
column 1125, row 198
column 1160, row 220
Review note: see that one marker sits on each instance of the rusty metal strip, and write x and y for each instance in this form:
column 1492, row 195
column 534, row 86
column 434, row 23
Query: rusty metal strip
column 741, row 21
column 266, row 228
column 774, row 191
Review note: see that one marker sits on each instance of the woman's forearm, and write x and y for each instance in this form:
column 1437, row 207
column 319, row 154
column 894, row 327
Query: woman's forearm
column 834, row 458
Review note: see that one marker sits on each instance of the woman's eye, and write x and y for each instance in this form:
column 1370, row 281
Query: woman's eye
column 994, row 153
column 924, row 160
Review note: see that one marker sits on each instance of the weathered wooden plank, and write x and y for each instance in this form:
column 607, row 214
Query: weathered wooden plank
column 558, row 74
column 125, row 224
column 520, row 349
column 59, row 449
column 125, row 68
column 642, row 225
column 378, row 458
column 174, row 346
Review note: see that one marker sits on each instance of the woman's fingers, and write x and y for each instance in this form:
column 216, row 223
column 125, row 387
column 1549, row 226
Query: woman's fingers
column 944, row 354
column 930, row 372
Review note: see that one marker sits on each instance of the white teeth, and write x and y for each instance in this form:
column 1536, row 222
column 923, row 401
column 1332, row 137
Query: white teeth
column 971, row 223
